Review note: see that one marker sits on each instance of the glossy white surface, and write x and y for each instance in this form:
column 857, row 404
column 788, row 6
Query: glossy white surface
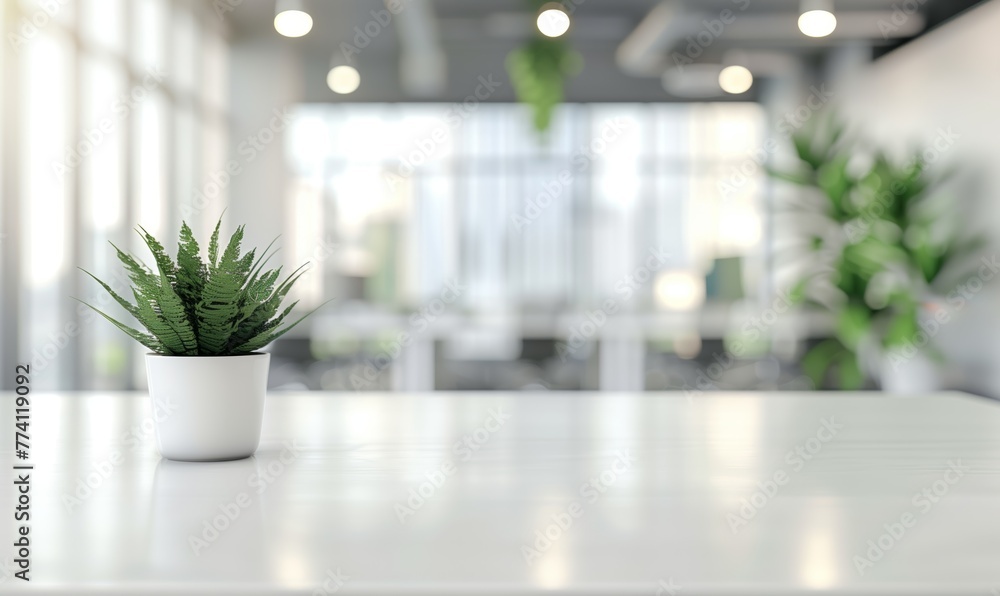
column 329, row 505
column 207, row 408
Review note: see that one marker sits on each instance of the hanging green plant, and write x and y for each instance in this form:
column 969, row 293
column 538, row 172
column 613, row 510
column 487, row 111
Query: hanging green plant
column 539, row 70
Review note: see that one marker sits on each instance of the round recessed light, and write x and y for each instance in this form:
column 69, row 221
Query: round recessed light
column 735, row 79
column 817, row 23
column 293, row 23
column 553, row 20
column 343, row 79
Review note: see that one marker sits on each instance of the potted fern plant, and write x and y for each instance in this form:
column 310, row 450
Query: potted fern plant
column 205, row 321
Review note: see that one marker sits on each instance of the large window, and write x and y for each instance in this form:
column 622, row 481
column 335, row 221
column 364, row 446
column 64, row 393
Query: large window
column 416, row 194
column 114, row 116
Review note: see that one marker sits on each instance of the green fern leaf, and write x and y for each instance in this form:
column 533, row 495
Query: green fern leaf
column 218, row 310
column 213, row 245
column 171, row 309
column 151, row 317
column 138, row 272
column 267, row 337
column 164, row 263
column 128, row 306
column 250, row 327
column 256, row 307
column 256, row 326
column 191, row 273
column 144, row 339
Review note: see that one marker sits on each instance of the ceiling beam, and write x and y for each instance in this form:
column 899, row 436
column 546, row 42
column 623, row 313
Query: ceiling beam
column 423, row 68
column 670, row 27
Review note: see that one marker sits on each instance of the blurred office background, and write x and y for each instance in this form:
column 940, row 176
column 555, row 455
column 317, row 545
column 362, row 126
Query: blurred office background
column 634, row 244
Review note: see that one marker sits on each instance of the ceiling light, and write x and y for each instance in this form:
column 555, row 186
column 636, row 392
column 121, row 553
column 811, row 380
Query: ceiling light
column 291, row 19
column 343, row 79
column 735, row 79
column 553, row 20
column 817, row 18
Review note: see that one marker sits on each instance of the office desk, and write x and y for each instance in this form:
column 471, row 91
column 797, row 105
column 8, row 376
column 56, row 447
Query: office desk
column 508, row 493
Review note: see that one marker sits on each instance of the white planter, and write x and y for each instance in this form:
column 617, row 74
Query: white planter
column 910, row 374
column 207, row 408
column 911, row 369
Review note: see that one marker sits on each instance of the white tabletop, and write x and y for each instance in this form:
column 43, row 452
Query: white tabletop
column 661, row 524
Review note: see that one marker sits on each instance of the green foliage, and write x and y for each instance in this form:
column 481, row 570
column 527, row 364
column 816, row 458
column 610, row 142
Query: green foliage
column 225, row 306
column 879, row 251
column 539, row 71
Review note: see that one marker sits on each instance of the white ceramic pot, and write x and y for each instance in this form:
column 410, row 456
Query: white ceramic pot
column 207, row 408
column 911, row 369
column 910, row 373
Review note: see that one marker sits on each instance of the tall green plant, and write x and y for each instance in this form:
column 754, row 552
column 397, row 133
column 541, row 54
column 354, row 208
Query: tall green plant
column 875, row 250
column 223, row 306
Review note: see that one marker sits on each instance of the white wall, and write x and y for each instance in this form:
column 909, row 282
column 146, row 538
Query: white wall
column 949, row 80
column 265, row 78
